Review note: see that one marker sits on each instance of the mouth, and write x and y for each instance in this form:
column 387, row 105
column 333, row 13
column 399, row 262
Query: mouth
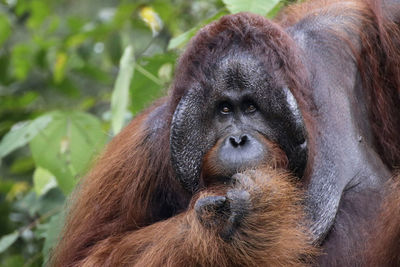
column 219, row 169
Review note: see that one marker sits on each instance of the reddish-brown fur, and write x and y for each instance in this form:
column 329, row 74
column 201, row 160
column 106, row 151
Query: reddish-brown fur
column 383, row 244
column 183, row 241
column 115, row 216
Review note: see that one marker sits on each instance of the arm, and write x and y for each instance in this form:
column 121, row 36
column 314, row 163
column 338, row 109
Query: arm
column 252, row 223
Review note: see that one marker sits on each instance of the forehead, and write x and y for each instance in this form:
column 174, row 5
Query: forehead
column 239, row 71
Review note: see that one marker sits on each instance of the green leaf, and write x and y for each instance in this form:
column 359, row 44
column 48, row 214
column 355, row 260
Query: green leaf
column 60, row 67
column 5, row 28
column 182, row 39
column 27, row 204
column 39, row 11
column 114, row 47
column 165, row 72
column 43, row 181
column 260, row 7
column 22, row 165
column 22, row 60
column 51, row 202
column 22, row 133
column 15, row 260
column 144, row 89
column 274, row 11
column 51, row 231
column 124, row 13
column 67, row 145
column 120, row 95
column 7, row 240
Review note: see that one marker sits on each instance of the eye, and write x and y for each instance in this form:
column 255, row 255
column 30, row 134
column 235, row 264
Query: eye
column 225, row 108
column 251, row 108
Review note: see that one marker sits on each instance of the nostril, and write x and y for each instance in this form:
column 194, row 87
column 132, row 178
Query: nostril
column 238, row 141
column 243, row 140
column 234, row 141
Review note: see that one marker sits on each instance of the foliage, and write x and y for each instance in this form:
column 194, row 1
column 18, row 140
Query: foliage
column 73, row 74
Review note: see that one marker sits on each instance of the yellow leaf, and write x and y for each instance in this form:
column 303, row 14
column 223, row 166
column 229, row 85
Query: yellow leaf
column 151, row 18
column 59, row 67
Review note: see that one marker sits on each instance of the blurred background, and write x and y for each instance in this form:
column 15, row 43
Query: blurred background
column 72, row 74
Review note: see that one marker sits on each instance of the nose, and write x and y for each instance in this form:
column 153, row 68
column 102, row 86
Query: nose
column 237, row 141
column 240, row 151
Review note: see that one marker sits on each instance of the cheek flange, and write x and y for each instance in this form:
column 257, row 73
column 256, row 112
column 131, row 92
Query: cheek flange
column 188, row 140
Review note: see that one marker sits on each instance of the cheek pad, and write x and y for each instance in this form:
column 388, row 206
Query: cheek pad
column 189, row 140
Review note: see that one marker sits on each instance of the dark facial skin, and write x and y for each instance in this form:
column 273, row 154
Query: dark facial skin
column 239, row 121
column 236, row 112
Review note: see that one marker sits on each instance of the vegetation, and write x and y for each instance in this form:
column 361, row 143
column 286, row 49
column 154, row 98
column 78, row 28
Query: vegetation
column 73, row 73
